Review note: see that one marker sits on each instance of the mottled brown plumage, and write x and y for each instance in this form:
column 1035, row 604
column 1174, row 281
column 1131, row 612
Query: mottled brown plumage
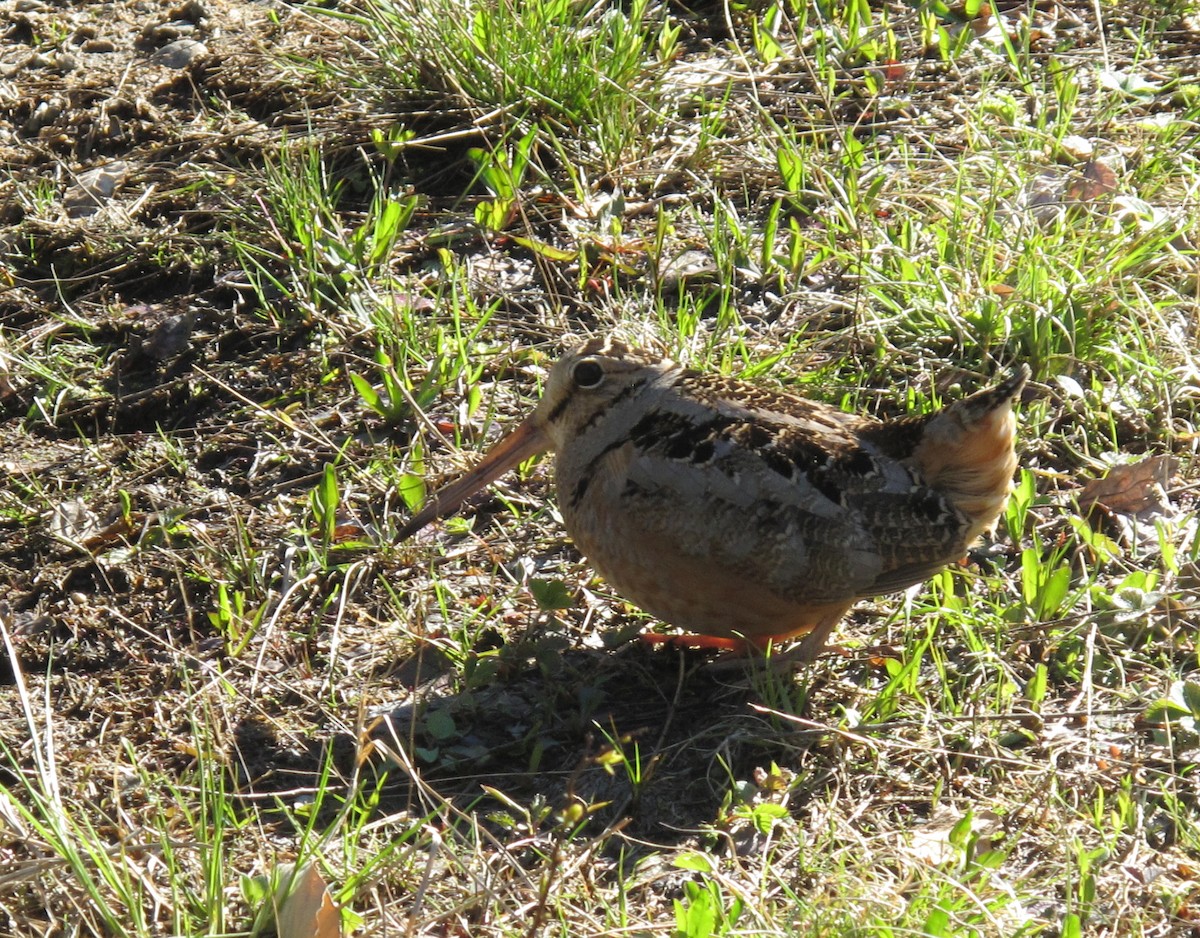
column 737, row 511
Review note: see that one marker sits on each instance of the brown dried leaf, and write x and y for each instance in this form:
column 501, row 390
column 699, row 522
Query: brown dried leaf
column 1098, row 179
column 1136, row 489
column 307, row 911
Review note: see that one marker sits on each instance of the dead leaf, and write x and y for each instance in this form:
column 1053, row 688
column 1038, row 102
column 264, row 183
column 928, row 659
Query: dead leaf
column 1098, row 179
column 304, row 907
column 931, row 841
column 95, row 188
column 1137, row 489
column 73, row 521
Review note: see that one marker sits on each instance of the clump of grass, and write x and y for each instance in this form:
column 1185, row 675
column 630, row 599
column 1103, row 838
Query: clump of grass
column 583, row 71
column 306, row 245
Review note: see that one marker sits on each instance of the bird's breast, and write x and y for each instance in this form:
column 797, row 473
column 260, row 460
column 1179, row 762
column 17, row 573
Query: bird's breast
column 589, row 484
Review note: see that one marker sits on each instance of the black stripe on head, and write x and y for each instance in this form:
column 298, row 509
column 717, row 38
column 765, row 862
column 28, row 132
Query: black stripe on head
column 557, row 410
column 581, row 488
column 625, row 393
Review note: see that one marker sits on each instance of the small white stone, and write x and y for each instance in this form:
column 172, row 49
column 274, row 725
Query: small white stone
column 1076, row 147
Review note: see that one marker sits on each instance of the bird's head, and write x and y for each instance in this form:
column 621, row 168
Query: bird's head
column 582, row 386
column 587, row 382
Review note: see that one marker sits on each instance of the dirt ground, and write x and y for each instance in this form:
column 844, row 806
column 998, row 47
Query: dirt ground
column 156, row 424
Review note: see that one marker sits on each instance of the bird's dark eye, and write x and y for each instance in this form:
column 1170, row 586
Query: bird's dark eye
column 587, row 374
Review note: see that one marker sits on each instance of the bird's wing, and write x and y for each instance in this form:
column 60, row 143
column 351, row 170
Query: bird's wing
column 787, row 494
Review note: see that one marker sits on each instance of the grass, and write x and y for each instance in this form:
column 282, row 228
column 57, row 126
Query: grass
column 227, row 684
column 563, row 66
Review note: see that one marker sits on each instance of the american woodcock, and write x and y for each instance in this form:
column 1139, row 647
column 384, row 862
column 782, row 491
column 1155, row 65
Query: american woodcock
column 742, row 512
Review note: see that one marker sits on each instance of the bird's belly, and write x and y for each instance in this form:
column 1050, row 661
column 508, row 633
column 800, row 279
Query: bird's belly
column 656, row 572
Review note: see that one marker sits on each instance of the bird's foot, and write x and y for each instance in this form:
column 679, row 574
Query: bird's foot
column 741, row 652
column 689, row 642
column 778, row 661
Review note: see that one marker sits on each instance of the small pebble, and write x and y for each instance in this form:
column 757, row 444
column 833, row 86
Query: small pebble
column 1076, row 147
column 193, row 10
column 179, row 54
column 168, row 31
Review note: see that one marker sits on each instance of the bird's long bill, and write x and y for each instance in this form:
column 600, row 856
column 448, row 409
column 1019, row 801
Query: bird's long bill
column 524, row 441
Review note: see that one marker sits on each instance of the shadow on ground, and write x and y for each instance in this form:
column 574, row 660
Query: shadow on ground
column 654, row 741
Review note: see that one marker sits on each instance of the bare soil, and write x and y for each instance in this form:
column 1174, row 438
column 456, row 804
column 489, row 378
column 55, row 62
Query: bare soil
column 163, row 459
